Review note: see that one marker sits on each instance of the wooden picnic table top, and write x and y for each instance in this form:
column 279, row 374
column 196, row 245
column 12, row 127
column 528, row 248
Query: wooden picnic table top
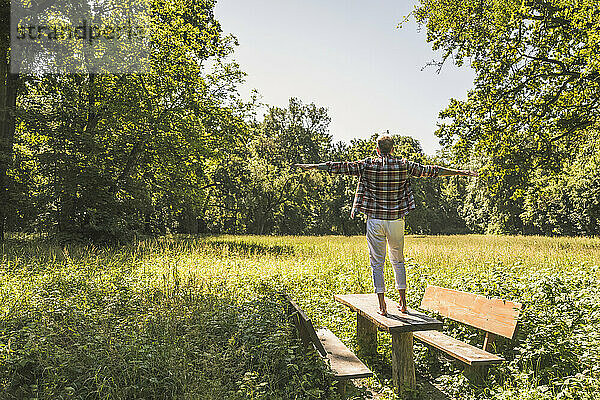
column 367, row 305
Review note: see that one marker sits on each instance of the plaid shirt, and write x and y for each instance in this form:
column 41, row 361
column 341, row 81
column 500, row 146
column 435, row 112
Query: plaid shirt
column 383, row 189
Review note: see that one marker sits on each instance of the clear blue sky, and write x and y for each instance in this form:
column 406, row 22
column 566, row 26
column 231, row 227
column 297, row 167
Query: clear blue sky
column 348, row 56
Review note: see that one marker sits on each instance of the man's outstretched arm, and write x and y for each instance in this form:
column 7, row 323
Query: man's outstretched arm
column 420, row 170
column 459, row 172
column 321, row 166
column 336, row 167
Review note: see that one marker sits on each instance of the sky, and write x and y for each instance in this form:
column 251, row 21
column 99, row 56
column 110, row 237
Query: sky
column 348, row 56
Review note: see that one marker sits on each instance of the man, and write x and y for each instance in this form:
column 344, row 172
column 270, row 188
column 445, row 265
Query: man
column 385, row 196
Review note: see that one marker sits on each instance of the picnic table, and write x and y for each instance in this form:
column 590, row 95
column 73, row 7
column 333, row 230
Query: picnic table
column 401, row 326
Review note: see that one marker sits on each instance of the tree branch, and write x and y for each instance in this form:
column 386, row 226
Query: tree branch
column 576, row 127
column 563, row 67
column 131, row 160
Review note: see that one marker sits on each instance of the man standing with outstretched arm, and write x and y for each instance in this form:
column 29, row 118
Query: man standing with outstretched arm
column 385, row 196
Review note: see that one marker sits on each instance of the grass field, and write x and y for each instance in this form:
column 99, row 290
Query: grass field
column 182, row 317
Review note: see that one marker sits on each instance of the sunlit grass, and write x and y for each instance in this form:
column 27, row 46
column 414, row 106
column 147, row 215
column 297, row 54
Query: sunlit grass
column 43, row 284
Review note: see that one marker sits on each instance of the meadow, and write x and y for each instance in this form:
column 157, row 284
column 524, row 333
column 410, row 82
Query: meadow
column 192, row 317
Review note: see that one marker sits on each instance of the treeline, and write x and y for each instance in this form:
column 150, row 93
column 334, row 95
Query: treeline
column 108, row 157
column 112, row 185
column 257, row 189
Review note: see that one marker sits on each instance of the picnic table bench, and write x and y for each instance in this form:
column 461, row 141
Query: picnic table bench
column 400, row 325
column 496, row 317
column 344, row 363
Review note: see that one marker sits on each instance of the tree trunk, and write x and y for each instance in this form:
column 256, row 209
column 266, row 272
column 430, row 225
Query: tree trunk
column 8, row 97
column 188, row 222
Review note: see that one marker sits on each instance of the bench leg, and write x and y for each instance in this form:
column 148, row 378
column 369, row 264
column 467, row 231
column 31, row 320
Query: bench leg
column 366, row 336
column 342, row 387
column 476, row 374
column 403, row 364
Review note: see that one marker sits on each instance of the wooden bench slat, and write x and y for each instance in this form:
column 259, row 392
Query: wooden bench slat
column 305, row 327
column 368, row 305
column 465, row 352
column 344, row 363
column 491, row 315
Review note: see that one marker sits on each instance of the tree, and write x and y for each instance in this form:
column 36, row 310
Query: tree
column 257, row 189
column 568, row 203
column 536, row 88
column 118, row 154
column 8, row 96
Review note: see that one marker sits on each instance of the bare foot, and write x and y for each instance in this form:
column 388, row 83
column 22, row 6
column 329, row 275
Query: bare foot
column 402, row 301
column 402, row 307
column 382, row 305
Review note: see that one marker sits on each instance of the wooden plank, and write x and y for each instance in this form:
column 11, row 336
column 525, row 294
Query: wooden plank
column 366, row 336
column 403, row 364
column 344, row 363
column 305, row 327
column 491, row 315
column 367, row 306
column 296, row 307
column 464, row 352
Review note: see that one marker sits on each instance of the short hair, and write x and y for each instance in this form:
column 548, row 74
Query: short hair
column 385, row 143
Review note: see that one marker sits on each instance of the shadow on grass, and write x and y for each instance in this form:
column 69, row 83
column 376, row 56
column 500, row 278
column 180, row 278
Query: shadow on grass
column 246, row 248
column 39, row 255
column 425, row 390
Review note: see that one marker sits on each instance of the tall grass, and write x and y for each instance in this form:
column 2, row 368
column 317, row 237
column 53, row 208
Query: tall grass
column 198, row 317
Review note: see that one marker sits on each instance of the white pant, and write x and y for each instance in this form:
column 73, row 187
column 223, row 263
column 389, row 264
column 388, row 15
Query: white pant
column 378, row 230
